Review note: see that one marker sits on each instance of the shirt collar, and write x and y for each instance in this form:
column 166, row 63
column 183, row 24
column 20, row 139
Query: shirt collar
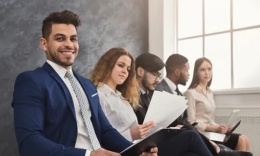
column 200, row 89
column 61, row 71
column 171, row 84
column 141, row 90
column 108, row 91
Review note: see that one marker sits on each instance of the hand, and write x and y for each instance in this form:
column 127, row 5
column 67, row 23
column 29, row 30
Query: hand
column 153, row 152
column 140, row 131
column 179, row 126
column 103, row 152
column 222, row 129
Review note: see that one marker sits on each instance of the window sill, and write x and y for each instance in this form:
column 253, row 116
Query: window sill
column 236, row 91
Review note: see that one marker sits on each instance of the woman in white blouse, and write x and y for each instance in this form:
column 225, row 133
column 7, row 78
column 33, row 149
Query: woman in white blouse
column 115, row 95
column 114, row 77
column 201, row 105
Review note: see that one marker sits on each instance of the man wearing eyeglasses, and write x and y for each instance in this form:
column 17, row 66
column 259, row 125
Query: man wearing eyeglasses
column 148, row 73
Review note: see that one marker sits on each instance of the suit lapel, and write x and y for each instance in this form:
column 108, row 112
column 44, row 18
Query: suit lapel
column 67, row 95
column 166, row 87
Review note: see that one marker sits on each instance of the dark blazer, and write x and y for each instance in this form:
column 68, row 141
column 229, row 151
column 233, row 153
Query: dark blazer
column 44, row 116
column 142, row 109
column 163, row 86
column 181, row 120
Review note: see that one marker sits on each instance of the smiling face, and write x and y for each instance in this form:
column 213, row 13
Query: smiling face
column 121, row 70
column 62, row 45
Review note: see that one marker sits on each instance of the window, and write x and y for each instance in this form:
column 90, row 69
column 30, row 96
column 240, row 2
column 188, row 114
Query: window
column 225, row 31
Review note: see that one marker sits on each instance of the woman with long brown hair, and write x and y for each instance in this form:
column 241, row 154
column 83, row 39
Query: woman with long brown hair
column 114, row 77
column 201, row 105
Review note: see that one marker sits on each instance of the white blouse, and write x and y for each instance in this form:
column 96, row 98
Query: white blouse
column 119, row 112
column 201, row 107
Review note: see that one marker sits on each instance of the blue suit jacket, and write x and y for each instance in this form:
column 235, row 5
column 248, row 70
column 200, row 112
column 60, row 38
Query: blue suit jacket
column 44, row 116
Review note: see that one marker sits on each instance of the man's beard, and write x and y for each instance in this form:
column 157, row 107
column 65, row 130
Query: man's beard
column 58, row 61
column 145, row 83
column 55, row 58
column 182, row 80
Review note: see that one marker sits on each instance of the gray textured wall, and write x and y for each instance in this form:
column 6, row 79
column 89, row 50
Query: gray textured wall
column 106, row 23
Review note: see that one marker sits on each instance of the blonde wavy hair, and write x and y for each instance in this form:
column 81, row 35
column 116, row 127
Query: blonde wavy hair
column 103, row 69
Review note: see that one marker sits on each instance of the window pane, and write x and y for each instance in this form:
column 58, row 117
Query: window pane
column 217, row 15
column 192, row 49
column 189, row 18
column 246, row 58
column 217, row 49
column 246, row 13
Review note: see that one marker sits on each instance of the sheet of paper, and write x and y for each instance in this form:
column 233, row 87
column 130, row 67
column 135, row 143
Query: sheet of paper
column 165, row 108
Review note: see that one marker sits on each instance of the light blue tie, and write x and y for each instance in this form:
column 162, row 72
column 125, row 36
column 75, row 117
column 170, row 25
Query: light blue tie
column 84, row 106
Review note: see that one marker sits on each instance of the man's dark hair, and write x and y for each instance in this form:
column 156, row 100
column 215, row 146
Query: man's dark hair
column 63, row 17
column 149, row 62
column 175, row 61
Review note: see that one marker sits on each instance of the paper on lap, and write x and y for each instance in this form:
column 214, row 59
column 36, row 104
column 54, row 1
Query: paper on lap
column 165, row 108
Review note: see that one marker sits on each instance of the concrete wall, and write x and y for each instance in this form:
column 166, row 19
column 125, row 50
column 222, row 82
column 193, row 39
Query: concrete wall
column 106, row 23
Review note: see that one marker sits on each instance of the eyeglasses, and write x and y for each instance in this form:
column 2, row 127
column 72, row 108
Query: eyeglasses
column 156, row 75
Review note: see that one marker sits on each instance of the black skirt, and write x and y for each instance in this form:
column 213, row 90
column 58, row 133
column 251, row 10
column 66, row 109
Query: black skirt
column 232, row 141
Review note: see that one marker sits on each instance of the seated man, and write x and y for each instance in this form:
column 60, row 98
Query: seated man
column 56, row 111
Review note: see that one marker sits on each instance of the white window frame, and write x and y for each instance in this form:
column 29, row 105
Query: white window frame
column 163, row 36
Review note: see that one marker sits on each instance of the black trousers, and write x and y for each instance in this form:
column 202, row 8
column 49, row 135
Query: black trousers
column 189, row 127
column 205, row 139
column 187, row 143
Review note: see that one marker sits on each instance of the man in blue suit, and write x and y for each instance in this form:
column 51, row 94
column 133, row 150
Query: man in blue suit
column 56, row 111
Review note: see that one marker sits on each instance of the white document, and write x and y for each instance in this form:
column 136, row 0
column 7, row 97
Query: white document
column 214, row 136
column 165, row 108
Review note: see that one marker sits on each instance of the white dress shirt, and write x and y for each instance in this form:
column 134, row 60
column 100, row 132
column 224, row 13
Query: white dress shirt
column 118, row 111
column 171, row 85
column 83, row 140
